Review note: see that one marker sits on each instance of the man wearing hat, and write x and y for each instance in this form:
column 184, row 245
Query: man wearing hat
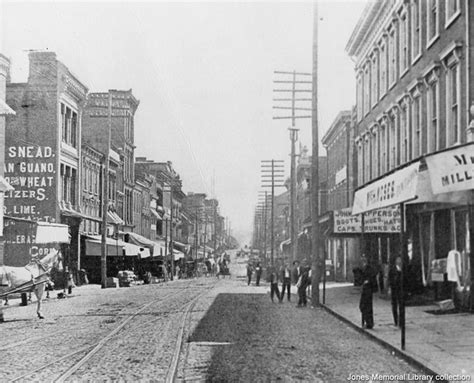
column 303, row 283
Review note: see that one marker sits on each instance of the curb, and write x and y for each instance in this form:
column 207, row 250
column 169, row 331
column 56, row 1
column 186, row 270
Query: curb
column 408, row 358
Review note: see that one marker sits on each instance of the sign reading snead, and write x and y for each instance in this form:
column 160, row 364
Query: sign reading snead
column 393, row 189
column 452, row 170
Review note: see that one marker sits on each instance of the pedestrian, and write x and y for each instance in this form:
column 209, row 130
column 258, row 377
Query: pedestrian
column 285, row 275
column 258, row 273
column 395, row 281
column 249, row 273
column 274, row 284
column 302, row 285
column 296, row 272
column 369, row 283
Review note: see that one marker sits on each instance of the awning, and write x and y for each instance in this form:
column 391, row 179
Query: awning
column 140, row 240
column 424, row 192
column 134, row 250
column 115, row 248
column 392, row 189
column 52, row 232
column 5, row 110
column 178, row 255
column 285, row 243
column 181, row 247
column 159, row 248
column 113, row 218
column 452, row 170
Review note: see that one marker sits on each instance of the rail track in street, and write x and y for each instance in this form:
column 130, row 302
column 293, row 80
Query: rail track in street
column 158, row 326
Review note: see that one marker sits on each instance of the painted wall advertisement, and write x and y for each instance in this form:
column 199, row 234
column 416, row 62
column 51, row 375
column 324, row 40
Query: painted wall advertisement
column 31, row 171
column 386, row 220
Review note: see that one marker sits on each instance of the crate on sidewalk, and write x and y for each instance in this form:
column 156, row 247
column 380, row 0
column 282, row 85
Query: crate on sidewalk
column 112, row 282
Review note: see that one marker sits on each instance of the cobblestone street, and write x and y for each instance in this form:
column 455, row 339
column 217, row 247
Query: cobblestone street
column 233, row 333
column 199, row 329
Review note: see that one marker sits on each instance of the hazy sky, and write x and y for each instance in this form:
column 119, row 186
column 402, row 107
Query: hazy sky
column 203, row 73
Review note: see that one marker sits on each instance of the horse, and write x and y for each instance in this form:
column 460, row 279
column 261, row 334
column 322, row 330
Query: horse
column 31, row 277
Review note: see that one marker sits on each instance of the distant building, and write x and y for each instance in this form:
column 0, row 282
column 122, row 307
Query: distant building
column 95, row 133
column 341, row 245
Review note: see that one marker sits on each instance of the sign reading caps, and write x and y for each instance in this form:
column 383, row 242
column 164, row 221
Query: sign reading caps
column 452, row 170
column 386, row 220
column 393, row 189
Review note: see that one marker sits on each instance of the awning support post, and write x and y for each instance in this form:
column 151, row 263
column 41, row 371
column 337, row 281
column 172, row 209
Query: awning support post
column 403, row 254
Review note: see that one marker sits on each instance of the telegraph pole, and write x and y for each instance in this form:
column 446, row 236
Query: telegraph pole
column 171, row 230
column 274, row 170
column 296, row 80
column 315, row 233
column 105, row 200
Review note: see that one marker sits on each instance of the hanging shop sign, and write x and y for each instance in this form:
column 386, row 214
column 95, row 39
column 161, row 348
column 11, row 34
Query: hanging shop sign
column 386, row 220
column 392, row 189
column 452, row 170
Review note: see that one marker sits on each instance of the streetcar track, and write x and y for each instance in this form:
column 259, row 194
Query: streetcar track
column 94, row 345
column 92, row 349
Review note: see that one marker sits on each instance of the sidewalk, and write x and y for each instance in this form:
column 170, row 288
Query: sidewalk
column 442, row 343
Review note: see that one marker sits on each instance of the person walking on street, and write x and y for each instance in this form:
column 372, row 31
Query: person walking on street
column 274, row 284
column 395, row 280
column 285, row 275
column 369, row 283
column 258, row 272
column 302, row 285
column 249, row 273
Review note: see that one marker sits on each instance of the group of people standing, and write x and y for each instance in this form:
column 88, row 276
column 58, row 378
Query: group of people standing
column 369, row 286
column 299, row 275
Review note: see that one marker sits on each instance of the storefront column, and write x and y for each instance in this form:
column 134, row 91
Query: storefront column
column 471, row 253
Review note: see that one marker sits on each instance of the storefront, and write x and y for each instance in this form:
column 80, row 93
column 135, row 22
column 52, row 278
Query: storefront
column 436, row 194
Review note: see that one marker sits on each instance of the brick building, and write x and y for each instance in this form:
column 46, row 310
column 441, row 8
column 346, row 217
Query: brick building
column 43, row 149
column 341, row 247
column 95, row 133
column 5, row 110
column 414, row 86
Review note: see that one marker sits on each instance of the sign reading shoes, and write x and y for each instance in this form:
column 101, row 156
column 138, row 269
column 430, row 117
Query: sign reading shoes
column 395, row 188
column 452, row 170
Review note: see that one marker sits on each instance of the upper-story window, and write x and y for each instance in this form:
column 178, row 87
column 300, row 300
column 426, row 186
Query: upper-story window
column 68, row 184
column 367, row 88
column 416, row 28
column 360, row 96
column 416, row 118
column 383, row 147
column 392, row 56
column 404, row 42
column 432, row 21
column 433, row 115
column 68, row 125
column 453, row 8
column 375, row 154
column 452, row 102
column 375, row 77
column 405, row 134
column 383, row 67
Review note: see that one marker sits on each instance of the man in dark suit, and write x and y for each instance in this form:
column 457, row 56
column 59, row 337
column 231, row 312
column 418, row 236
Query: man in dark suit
column 366, row 299
column 274, row 283
column 395, row 280
column 302, row 284
column 285, row 276
column 249, row 273
column 258, row 272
